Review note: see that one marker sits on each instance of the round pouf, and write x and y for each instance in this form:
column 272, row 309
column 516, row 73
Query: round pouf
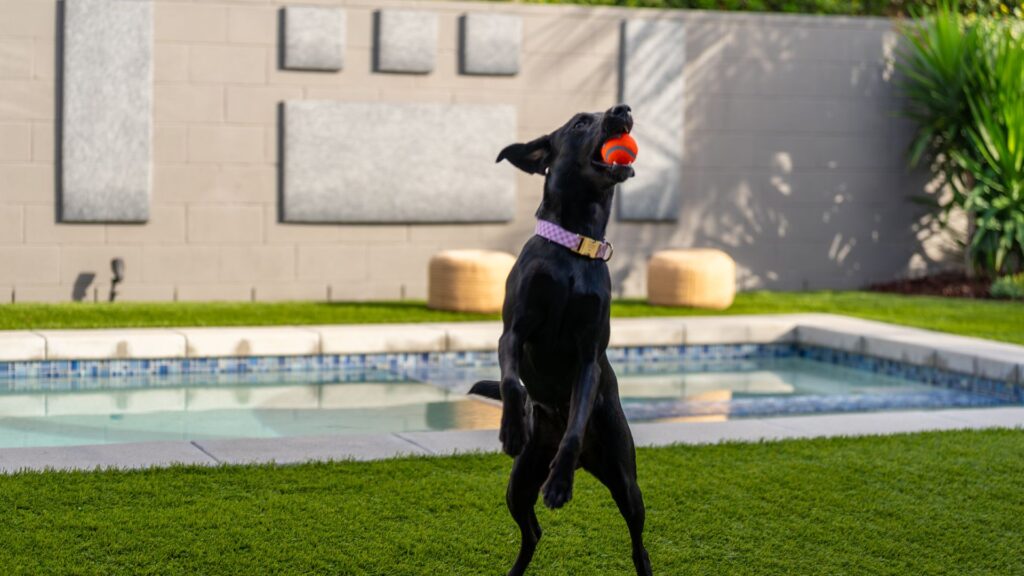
column 697, row 277
column 468, row 280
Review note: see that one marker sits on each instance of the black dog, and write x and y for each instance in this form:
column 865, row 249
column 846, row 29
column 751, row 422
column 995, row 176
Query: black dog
column 556, row 310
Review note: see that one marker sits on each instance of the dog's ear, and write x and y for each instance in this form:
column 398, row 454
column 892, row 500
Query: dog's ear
column 534, row 157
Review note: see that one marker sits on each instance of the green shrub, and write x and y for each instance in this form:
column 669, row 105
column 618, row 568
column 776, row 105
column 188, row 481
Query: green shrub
column 964, row 81
column 1009, row 287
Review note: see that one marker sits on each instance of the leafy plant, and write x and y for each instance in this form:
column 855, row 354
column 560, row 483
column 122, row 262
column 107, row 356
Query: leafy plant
column 937, row 63
column 1009, row 287
column 1002, row 8
column 965, row 88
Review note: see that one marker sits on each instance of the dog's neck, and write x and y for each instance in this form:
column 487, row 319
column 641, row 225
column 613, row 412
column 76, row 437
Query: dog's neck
column 577, row 208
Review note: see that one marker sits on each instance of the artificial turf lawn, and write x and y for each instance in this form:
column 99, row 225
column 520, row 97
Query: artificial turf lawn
column 998, row 320
column 932, row 503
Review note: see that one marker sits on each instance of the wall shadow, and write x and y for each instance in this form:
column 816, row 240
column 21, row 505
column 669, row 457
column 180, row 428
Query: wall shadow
column 793, row 163
column 80, row 290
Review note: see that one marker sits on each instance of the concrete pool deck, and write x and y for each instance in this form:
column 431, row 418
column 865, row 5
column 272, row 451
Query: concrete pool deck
column 964, row 355
column 382, row 446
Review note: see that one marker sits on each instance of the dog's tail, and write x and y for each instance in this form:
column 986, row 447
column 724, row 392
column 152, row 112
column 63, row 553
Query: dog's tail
column 487, row 388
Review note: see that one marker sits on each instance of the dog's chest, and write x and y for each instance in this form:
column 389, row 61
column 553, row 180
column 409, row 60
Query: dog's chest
column 582, row 316
column 588, row 278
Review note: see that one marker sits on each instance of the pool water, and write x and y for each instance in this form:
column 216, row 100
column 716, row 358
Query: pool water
column 82, row 411
column 775, row 387
column 116, row 410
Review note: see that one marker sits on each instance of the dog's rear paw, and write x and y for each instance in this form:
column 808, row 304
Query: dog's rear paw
column 513, row 438
column 557, row 491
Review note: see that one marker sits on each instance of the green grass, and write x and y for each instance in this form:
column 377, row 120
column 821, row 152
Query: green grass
column 170, row 314
column 987, row 319
column 997, row 320
column 935, row 503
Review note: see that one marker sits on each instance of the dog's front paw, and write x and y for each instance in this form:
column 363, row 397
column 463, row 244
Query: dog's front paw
column 512, row 434
column 557, row 489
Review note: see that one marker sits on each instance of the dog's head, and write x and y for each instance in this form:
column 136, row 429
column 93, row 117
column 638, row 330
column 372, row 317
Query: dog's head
column 574, row 150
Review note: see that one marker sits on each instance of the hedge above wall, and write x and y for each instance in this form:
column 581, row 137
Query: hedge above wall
column 833, row 7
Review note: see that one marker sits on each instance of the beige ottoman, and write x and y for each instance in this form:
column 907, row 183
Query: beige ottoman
column 468, row 280
column 698, row 277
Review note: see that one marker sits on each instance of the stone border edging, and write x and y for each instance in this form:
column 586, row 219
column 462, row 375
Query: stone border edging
column 965, row 355
column 297, row 450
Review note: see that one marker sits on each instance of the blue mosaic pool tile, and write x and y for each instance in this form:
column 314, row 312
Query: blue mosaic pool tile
column 453, row 366
column 713, row 352
column 1005, row 391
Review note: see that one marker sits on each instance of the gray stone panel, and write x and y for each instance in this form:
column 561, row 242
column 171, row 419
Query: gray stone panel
column 490, row 44
column 653, row 60
column 447, row 442
column 123, row 456
column 107, row 110
column 384, row 162
column 297, row 450
column 406, row 41
column 314, row 38
column 669, row 433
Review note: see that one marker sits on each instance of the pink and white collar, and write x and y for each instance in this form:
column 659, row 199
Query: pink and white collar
column 582, row 245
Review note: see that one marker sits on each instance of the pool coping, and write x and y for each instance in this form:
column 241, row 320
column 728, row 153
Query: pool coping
column 296, row 450
column 961, row 354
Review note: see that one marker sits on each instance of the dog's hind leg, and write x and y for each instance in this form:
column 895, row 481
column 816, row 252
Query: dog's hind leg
column 620, row 479
column 528, row 473
column 611, row 457
column 626, row 493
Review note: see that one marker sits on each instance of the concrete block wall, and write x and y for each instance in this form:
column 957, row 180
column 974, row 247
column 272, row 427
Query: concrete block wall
column 793, row 159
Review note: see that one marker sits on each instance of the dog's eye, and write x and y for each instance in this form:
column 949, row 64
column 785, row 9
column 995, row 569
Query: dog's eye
column 580, row 124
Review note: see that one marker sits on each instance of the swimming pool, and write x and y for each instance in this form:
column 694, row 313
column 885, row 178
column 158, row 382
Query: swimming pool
column 80, row 403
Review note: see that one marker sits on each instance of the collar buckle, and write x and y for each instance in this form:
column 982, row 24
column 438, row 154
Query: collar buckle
column 589, row 247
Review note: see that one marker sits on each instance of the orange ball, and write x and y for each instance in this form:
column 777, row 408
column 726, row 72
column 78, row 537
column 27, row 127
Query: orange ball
column 619, row 150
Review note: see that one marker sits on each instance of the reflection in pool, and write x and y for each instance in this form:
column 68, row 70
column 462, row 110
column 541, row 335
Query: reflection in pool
column 431, row 396
column 54, row 418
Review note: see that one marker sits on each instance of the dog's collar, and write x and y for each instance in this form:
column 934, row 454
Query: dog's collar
column 582, row 245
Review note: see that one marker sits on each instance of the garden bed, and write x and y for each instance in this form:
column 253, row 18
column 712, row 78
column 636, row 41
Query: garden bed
column 948, row 284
